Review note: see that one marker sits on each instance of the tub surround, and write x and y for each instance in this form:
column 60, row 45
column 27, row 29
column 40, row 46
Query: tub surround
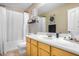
column 56, row 42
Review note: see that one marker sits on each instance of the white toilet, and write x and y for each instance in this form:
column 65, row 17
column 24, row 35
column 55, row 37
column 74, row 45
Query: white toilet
column 22, row 47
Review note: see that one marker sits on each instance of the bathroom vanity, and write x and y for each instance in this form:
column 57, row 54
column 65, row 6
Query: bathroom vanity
column 41, row 45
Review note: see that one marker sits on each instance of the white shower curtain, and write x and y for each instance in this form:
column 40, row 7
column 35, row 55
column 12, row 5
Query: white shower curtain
column 15, row 25
column 14, row 29
column 3, row 28
column 11, row 29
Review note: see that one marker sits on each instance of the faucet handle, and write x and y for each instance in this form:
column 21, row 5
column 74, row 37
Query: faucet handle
column 69, row 32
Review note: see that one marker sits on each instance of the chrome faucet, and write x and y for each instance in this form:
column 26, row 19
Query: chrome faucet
column 71, row 35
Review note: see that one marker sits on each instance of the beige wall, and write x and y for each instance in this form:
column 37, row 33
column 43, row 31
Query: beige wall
column 60, row 16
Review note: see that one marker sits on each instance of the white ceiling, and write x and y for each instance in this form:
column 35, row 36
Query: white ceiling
column 48, row 7
column 24, row 6
column 17, row 6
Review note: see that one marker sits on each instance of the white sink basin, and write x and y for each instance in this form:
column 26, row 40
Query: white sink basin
column 46, row 37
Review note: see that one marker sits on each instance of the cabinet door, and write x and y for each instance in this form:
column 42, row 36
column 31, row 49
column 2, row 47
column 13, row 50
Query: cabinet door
column 28, row 49
column 28, row 39
column 60, row 52
column 34, row 42
column 41, row 52
column 44, row 46
column 33, row 50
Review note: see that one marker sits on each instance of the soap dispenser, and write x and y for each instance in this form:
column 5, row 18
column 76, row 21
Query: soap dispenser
column 57, row 35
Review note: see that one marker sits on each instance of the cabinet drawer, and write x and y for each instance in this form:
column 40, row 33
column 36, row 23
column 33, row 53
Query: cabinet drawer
column 44, row 46
column 33, row 50
column 43, row 53
column 34, row 42
column 60, row 52
column 27, row 39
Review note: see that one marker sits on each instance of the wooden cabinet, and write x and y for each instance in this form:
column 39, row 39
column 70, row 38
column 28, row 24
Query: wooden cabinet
column 33, row 47
column 59, row 52
column 43, row 49
column 34, row 42
column 28, row 46
column 28, row 49
column 44, row 46
column 33, row 50
column 42, row 52
column 28, row 39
